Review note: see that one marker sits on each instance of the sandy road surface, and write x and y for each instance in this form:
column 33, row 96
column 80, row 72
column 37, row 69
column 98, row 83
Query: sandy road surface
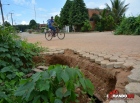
column 95, row 41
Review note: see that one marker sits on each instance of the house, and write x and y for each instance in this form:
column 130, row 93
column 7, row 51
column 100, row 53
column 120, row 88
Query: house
column 42, row 25
column 90, row 13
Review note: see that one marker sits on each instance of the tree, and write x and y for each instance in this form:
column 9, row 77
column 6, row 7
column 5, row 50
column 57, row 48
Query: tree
column 32, row 24
column 22, row 27
column 105, row 22
column 65, row 13
column 57, row 21
column 117, row 9
column 95, row 17
column 78, row 14
column 86, row 27
column 6, row 23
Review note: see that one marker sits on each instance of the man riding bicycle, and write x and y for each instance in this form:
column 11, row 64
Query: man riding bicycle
column 51, row 25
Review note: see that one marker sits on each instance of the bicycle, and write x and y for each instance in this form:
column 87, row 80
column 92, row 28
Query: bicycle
column 49, row 35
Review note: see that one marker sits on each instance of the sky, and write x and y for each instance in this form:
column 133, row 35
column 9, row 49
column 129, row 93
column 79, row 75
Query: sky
column 22, row 11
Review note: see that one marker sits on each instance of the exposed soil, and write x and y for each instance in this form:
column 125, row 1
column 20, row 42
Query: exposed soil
column 104, row 80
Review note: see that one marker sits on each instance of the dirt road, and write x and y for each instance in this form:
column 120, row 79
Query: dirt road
column 95, row 41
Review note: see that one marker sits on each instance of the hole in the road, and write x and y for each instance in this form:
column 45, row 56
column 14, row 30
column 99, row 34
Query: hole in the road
column 103, row 81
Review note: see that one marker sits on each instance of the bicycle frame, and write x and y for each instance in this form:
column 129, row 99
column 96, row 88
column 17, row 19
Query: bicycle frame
column 60, row 35
column 57, row 30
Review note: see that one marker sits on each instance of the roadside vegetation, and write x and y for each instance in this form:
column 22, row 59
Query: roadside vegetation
column 58, row 84
column 129, row 26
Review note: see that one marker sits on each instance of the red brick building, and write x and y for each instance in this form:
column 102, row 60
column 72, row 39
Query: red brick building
column 90, row 13
column 42, row 25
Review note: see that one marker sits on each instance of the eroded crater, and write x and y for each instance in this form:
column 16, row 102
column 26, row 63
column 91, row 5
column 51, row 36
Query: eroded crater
column 104, row 80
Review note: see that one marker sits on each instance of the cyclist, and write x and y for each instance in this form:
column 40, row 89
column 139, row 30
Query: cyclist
column 51, row 25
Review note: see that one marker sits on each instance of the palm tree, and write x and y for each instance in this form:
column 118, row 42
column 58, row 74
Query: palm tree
column 117, row 10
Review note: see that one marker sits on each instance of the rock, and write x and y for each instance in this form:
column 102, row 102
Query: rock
column 134, row 69
column 29, row 75
column 128, row 64
column 43, row 53
column 137, row 62
column 56, row 52
column 136, row 66
column 121, row 59
column 98, row 60
column 136, row 99
column 130, row 60
column 42, row 67
column 75, row 51
column 85, row 54
column 114, row 58
column 133, row 88
column 104, row 63
column 88, row 56
column 61, row 52
column 117, row 101
column 92, row 53
column 110, row 65
column 37, row 70
column 101, row 55
column 107, row 57
column 92, row 58
column 124, row 56
column 134, row 76
column 50, row 53
column 118, row 64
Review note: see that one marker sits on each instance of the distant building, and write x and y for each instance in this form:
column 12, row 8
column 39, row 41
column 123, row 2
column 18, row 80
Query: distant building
column 90, row 13
column 42, row 25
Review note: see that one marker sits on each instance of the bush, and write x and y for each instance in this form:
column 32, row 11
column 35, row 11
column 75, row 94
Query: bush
column 16, row 52
column 129, row 26
column 15, row 60
column 105, row 24
column 56, row 85
column 86, row 26
column 109, row 23
column 30, row 31
column 99, row 26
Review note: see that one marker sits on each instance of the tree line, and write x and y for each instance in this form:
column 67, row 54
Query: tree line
column 75, row 14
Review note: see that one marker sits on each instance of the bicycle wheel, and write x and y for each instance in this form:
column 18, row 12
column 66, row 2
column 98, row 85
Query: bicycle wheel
column 61, row 35
column 48, row 36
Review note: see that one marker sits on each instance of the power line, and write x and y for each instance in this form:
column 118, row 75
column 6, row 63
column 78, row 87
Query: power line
column 35, row 13
column 22, row 6
column 12, row 18
column 2, row 13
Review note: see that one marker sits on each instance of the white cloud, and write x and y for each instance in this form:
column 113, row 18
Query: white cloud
column 90, row 5
column 21, row 2
column 24, row 23
column 102, row 6
column 25, row 2
column 54, row 13
column 18, row 14
column 53, row 9
column 42, row 9
column 133, row 8
column 96, row 4
column 33, row 2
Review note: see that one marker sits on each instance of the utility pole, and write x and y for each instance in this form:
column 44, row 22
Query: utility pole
column 12, row 18
column 7, row 16
column 2, row 13
column 35, row 13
